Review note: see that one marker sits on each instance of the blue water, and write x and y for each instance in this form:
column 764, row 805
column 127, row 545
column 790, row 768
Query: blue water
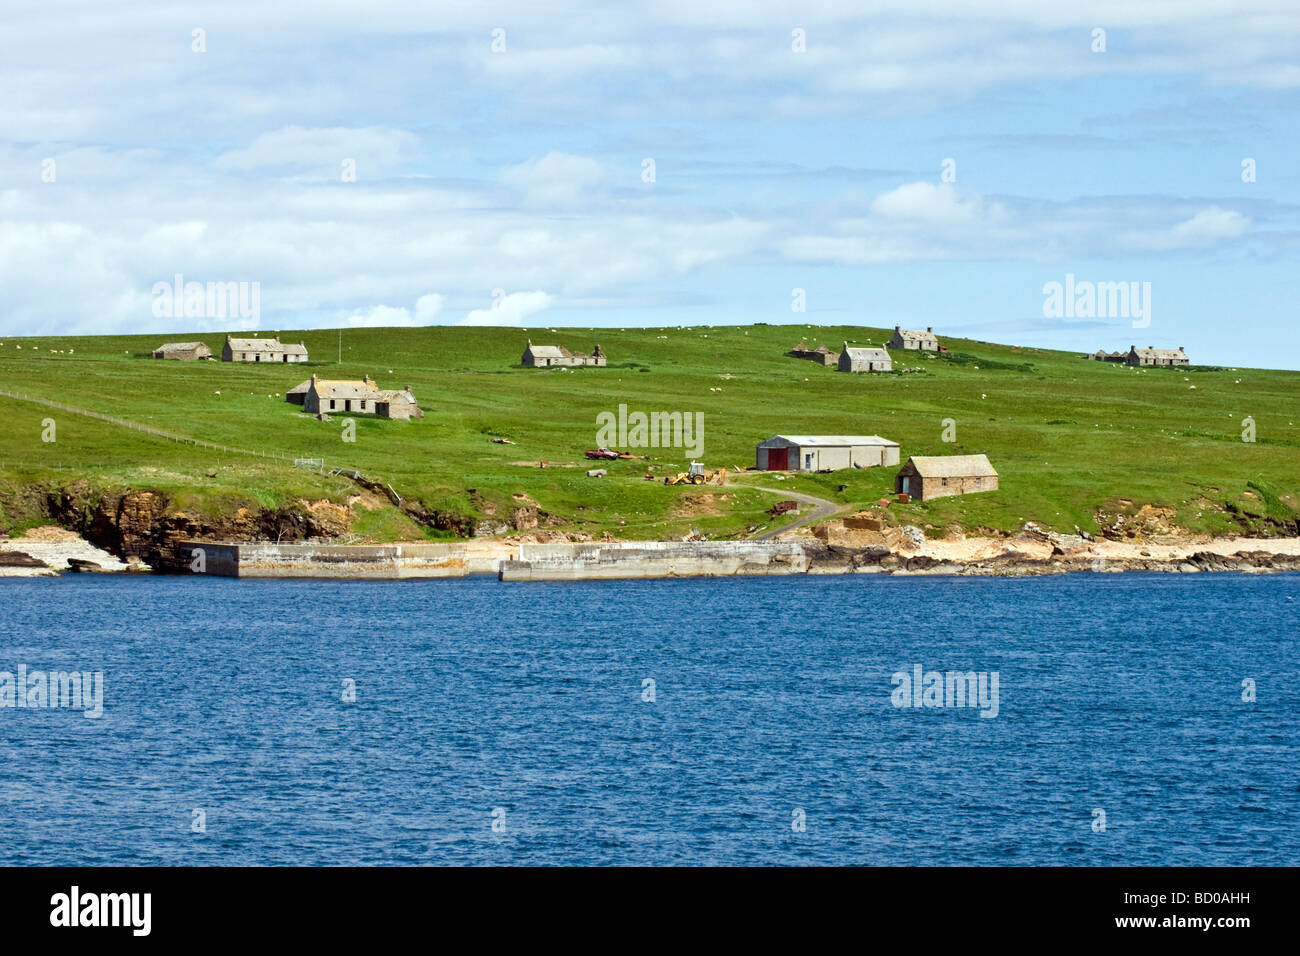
column 1116, row 692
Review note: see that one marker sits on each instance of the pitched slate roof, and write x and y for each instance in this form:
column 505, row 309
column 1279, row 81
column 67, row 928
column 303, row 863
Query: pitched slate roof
column 346, row 388
column 265, row 345
column 546, row 351
column 180, row 346
column 866, row 354
column 952, row 466
column 1154, row 353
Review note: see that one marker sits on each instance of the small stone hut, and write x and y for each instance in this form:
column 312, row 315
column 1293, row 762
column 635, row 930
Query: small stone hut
column 821, row 354
column 925, row 477
column 183, row 351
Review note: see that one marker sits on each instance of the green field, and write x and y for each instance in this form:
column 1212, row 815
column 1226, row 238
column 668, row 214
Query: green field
column 1075, row 441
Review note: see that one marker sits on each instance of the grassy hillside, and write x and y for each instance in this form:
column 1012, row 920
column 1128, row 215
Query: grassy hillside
column 1076, row 442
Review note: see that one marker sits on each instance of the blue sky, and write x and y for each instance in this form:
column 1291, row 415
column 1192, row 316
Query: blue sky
column 507, row 187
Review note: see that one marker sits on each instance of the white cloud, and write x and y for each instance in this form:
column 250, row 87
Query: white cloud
column 510, row 309
column 1205, row 228
column 933, row 203
column 322, row 151
column 427, row 308
column 555, row 179
column 1210, row 225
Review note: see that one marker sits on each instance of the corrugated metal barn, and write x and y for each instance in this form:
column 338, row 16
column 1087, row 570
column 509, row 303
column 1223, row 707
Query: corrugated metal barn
column 824, row 452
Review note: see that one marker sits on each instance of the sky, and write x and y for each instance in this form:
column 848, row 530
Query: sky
column 908, row 162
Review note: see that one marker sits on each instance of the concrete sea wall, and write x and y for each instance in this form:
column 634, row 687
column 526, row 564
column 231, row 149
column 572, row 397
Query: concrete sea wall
column 666, row 559
column 384, row 562
column 653, row 559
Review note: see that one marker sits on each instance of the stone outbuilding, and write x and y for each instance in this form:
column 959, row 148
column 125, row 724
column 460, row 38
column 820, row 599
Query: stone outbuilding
column 925, row 477
column 1153, row 356
column 298, row 394
column 854, row 359
column 824, row 452
column 550, row 356
column 821, row 354
column 183, row 351
column 262, row 350
column 902, row 338
column 363, row 397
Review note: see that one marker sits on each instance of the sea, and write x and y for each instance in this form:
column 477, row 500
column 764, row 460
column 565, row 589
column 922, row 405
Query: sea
column 1110, row 719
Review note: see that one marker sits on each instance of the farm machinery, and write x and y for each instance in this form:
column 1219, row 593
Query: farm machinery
column 698, row 475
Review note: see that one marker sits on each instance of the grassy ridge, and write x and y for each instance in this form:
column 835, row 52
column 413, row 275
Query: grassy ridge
column 1069, row 437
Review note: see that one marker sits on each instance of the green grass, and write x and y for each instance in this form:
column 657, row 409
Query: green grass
column 1067, row 436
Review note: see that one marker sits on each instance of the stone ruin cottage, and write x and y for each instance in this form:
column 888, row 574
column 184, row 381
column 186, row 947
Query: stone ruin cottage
column 262, row 350
column 864, row 360
column 821, row 354
column 1153, row 356
column 939, row 476
column 183, row 351
column 349, row 396
column 549, row 356
column 926, row 341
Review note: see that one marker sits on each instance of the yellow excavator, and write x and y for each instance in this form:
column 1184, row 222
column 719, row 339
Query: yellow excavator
column 698, row 475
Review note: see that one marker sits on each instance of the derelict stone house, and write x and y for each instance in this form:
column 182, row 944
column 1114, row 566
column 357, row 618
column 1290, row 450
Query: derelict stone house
column 1101, row 355
column 1154, row 356
column 938, row 476
column 548, row 356
column 821, row 354
column 362, row 397
column 262, row 350
column 824, row 452
column 864, row 360
column 183, row 351
column 902, row 338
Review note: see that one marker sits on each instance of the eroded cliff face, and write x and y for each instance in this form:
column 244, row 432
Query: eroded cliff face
column 147, row 524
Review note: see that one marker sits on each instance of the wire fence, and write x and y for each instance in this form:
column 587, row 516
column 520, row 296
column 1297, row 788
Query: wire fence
column 147, row 429
column 314, row 464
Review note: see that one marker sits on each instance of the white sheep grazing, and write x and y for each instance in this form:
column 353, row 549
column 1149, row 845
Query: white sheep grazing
column 217, row 392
